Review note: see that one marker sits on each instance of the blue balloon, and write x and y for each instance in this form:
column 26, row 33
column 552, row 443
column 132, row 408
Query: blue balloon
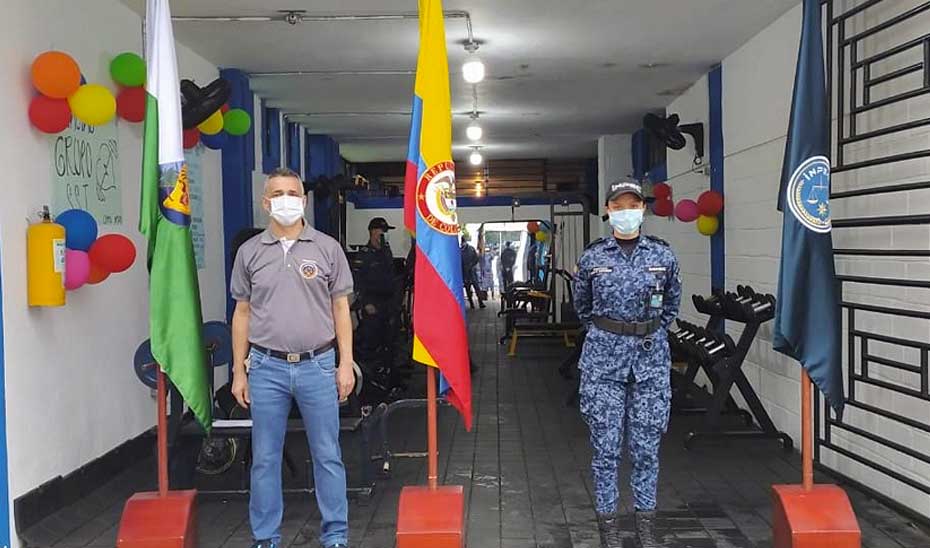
column 214, row 142
column 80, row 229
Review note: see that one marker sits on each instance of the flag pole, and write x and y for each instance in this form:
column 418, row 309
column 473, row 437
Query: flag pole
column 162, row 435
column 807, row 445
column 431, row 435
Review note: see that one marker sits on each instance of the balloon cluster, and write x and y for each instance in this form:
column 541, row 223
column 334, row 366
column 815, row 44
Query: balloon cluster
column 705, row 211
column 89, row 259
column 539, row 231
column 64, row 93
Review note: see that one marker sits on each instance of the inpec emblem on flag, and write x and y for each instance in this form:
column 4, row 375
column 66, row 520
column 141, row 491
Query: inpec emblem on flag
column 177, row 203
column 436, row 198
column 808, row 194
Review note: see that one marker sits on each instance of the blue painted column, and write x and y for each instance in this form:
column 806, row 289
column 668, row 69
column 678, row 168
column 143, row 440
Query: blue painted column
column 4, row 470
column 323, row 159
column 238, row 164
column 718, row 257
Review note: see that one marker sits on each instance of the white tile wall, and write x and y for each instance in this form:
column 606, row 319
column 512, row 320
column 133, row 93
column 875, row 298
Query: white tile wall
column 757, row 84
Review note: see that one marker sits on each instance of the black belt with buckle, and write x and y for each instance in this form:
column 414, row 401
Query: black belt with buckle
column 294, row 357
column 639, row 329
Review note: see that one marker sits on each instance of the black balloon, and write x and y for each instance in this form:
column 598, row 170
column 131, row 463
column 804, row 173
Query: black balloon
column 197, row 104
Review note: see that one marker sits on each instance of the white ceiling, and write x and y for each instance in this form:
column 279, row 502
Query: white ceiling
column 560, row 72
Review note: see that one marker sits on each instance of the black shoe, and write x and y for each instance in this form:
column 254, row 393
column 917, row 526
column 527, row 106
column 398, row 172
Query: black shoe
column 481, row 305
column 645, row 530
column 609, row 527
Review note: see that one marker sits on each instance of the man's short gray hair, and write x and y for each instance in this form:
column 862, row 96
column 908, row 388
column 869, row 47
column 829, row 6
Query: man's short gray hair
column 282, row 172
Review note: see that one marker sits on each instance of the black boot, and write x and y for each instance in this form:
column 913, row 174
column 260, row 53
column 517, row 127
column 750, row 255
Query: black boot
column 646, row 530
column 608, row 525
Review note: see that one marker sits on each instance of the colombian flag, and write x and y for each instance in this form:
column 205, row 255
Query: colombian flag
column 165, row 218
column 440, row 338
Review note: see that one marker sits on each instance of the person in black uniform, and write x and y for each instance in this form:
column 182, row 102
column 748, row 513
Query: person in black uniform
column 469, row 277
column 508, row 260
column 378, row 296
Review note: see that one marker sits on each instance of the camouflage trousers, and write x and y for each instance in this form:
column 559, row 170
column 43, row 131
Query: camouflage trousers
column 638, row 409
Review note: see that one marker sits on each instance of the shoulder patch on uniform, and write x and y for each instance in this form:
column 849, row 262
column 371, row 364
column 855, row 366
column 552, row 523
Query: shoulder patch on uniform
column 658, row 240
column 595, row 242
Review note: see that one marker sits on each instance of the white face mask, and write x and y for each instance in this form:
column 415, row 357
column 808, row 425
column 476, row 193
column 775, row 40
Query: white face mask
column 287, row 210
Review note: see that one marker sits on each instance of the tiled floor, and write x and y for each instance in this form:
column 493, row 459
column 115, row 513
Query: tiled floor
column 524, row 468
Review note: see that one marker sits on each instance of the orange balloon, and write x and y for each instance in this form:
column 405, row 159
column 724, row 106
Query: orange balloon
column 56, row 74
column 97, row 274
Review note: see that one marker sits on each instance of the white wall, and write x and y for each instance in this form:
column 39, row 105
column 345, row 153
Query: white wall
column 71, row 391
column 757, row 85
column 614, row 161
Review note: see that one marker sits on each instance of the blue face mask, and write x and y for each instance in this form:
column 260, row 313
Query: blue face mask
column 626, row 221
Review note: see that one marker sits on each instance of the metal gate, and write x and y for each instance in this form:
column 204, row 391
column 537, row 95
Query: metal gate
column 878, row 71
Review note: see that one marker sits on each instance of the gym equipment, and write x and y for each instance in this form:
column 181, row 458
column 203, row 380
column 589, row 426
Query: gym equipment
column 144, row 365
column 749, row 308
column 45, row 260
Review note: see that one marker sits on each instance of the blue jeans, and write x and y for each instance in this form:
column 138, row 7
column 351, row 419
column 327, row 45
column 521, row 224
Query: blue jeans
column 273, row 383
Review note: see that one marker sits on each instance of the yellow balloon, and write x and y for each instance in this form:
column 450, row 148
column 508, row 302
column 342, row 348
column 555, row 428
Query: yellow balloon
column 93, row 104
column 707, row 225
column 212, row 125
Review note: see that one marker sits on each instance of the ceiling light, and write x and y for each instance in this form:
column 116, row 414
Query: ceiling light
column 473, row 69
column 474, row 131
column 475, row 159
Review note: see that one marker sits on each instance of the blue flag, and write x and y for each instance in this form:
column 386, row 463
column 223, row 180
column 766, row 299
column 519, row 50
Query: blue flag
column 807, row 320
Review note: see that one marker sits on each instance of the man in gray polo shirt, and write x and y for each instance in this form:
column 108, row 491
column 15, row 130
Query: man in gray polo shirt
column 291, row 284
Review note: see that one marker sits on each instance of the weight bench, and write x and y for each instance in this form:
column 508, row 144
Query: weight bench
column 242, row 430
column 543, row 330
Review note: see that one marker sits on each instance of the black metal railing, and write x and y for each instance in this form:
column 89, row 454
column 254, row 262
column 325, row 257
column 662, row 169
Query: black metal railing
column 856, row 66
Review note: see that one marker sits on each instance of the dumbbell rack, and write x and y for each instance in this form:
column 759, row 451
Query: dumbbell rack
column 701, row 347
column 752, row 310
column 689, row 399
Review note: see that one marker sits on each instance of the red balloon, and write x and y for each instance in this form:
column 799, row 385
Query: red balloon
column 97, row 274
column 191, row 137
column 710, row 203
column 225, row 108
column 532, row 227
column 49, row 115
column 113, row 253
column 661, row 191
column 130, row 104
column 663, row 207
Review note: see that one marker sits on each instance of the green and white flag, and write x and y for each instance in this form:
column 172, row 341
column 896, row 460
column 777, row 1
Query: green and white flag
column 165, row 219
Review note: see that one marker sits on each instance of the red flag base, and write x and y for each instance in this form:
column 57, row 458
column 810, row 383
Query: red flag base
column 819, row 518
column 431, row 518
column 152, row 521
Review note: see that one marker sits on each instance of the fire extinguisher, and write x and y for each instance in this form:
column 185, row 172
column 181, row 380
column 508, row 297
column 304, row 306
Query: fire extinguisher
column 45, row 259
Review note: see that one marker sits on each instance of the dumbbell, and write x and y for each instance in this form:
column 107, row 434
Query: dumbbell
column 733, row 306
column 708, row 305
column 758, row 305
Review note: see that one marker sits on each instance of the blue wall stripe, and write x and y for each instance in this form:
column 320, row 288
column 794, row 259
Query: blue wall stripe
column 717, row 242
column 4, row 479
column 238, row 164
column 271, row 139
column 293, row 146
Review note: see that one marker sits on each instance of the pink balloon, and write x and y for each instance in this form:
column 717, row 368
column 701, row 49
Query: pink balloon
column 686, row 211
column 77, row 269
